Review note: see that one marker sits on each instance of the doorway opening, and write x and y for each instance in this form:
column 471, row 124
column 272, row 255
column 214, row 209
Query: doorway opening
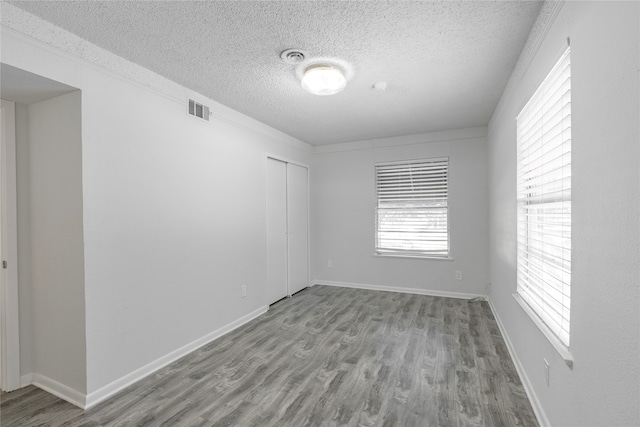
column 19, row 90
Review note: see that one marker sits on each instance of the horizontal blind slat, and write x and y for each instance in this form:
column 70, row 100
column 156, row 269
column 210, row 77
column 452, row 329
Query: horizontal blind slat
column 412, row 213
column 543, row 188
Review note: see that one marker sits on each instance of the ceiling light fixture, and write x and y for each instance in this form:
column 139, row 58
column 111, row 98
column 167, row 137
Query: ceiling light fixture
column 323, row 80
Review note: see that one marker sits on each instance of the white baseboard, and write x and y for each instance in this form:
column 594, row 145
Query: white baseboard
column 116, row 386
column 26, row 379
column 85, row 401
column 416, row 291
column 57, row 389
column 531, row 394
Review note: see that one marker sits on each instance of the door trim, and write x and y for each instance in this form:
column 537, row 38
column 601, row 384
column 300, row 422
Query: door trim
column 286, row 160
column 10, row 331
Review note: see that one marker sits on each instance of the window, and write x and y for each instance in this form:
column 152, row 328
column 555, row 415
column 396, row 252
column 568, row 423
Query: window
column 544, row 201
column 411, row 210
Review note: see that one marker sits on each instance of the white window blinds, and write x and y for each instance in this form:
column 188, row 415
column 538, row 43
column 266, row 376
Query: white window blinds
column 411, row 211
column 544, row 200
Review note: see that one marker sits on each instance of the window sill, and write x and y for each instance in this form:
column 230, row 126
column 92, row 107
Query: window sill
column 555, row 342
column 410, row 257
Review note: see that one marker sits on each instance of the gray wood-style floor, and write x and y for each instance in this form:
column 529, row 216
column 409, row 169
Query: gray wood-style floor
column 328, row 356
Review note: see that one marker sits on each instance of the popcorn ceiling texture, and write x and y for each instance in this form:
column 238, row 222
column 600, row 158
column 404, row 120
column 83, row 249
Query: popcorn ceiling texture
column 546, row 17
column 446, row 63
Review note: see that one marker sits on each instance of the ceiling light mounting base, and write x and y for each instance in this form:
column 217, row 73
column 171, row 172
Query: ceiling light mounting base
column 293, row 56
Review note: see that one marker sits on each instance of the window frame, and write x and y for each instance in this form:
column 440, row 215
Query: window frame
column 535, row 190
column 380, row 250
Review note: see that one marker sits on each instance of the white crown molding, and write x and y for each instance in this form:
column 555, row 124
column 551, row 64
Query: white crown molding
column 41, row 34
column 479, row 133
column 547, row 16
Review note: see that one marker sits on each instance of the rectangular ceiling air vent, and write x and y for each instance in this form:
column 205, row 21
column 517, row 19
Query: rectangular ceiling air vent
column 198, row 110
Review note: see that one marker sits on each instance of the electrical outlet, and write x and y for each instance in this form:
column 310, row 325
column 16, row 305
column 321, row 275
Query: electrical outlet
column 330, row 263
column 243, row 291
column 458, row 275
column 546, row 372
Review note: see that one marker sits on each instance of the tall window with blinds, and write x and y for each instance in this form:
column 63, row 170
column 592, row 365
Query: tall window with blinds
column 412, row 217
column 544, row 200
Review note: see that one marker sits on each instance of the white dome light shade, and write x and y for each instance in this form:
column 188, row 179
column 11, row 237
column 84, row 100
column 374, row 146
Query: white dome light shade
column 323, row 80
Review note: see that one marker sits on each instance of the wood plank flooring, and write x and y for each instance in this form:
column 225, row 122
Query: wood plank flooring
column 326, row 357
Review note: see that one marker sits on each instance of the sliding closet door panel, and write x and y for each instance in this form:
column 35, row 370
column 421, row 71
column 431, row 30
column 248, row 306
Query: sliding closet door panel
column 276, row 230
column 298, row 221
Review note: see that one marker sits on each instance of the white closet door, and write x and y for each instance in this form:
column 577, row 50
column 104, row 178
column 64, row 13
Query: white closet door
column 276, row 230
column 298, row 226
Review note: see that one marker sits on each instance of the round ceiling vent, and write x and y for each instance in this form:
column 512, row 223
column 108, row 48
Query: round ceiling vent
column 293, row 56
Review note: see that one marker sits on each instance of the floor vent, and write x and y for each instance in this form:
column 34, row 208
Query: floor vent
column 198, row 110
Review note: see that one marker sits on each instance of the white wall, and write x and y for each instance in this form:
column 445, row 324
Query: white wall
column 603, row 387
column 343, row 202
column 167, row 243
column 56, row 246
column 173, row 207
column 175, row 224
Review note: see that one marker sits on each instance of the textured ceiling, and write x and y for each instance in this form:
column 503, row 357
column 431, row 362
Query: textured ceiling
column 446, row 63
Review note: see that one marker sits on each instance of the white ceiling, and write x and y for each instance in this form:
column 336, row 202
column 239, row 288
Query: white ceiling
column 446, row 63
